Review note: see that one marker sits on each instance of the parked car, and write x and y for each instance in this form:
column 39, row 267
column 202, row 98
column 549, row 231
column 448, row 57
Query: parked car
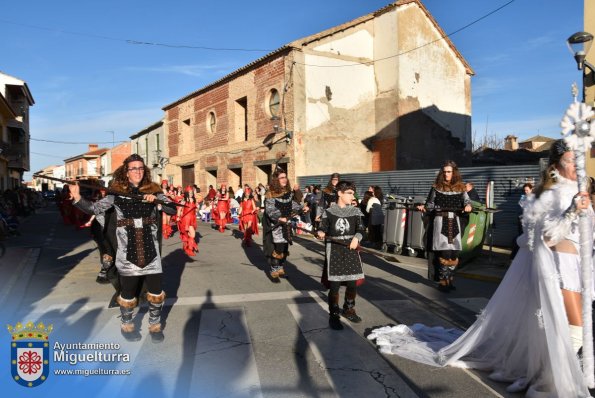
column 49, row 195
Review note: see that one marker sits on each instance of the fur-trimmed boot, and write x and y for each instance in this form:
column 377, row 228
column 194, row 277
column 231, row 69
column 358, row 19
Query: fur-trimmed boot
column 275, row 267
column 349, row 307
column 279, row 260
column 155, row 305
column 106, row 262
column 127, row 310
column 334, row 310
column 444, row 274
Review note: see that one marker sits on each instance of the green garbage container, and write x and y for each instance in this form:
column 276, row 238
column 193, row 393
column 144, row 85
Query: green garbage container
column 475, row 232
column 475, row 229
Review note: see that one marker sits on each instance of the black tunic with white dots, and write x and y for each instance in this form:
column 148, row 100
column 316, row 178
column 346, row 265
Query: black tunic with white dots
column 342, row 224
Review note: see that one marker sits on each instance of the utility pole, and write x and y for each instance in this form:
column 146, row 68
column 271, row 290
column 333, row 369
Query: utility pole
column 113, row 137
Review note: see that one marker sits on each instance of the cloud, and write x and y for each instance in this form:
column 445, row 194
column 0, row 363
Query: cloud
column 93, row 125
column 195, row 70
column 541, row 41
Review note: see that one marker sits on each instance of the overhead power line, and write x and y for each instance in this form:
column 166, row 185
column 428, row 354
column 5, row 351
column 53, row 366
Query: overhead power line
column 418, row 47
column 208, row 48
column 75, row 143
column 46, row 154
column 131, row 41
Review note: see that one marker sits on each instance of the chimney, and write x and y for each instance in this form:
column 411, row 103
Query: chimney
column 93, row 147
column 511, row 143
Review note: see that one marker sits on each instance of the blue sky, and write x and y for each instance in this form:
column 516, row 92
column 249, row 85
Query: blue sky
column 93, row 82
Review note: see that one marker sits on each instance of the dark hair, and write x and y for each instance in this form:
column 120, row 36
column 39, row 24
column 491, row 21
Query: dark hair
column 548, row 178
column 345, row 185
column 557, row 149
column 528, row 185
column 366, row 198
column 455, row 184
column 274, row 186
column 188, row 197
column 330, row 185
column 120, row 180
column 378, row 193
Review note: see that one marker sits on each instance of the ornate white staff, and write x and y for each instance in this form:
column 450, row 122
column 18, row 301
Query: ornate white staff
column 578, row 134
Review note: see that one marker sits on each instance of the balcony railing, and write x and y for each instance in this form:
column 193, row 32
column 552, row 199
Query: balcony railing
column 18, row 162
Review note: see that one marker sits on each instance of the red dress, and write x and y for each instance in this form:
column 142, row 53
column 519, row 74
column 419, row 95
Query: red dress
column 249, row 211
column 223, row 207
column 188, row 219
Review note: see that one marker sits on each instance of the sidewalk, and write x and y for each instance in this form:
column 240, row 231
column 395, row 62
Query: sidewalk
column 490, row 266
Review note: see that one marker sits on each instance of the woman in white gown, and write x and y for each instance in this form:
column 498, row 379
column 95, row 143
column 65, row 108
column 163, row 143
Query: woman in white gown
column 526, row 333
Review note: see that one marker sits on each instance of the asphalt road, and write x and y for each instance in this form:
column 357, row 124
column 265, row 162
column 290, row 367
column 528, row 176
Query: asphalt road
column 230, row 331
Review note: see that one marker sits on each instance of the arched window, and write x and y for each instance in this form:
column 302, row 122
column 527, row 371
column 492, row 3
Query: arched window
column 274, row 102
column 212, row 122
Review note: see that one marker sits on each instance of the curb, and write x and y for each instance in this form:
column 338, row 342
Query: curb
column 479, row 277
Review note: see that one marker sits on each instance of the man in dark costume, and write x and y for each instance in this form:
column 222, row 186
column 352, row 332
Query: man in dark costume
column 280, row 206
column 343, row 223
column 137, row 225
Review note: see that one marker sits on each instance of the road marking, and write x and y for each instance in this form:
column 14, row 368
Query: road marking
column 351, row 364
column 42, row 307
column 409, row 313
column 224, row 362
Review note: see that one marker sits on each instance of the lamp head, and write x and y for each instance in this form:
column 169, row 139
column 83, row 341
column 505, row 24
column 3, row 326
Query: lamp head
column 579, row 45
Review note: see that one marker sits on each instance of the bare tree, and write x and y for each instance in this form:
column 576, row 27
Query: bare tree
column 493, row 141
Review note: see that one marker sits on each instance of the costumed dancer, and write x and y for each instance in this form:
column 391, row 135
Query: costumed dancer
column 248, row 214
column 138, row 254
column 166, row 229
column 343, row 223
column 65, row 205
column 187, row 222
column 448, row 194
column 106, row 252
column 279, row 208
column 328, row 196
column 529, row 333
column 223, row 215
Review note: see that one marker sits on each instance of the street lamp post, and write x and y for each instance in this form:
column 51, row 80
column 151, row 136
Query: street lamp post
column 579, row 134
column 113, row 137
column 579, row 45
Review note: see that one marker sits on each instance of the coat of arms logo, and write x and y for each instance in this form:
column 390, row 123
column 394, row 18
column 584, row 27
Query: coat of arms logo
column 30, row 353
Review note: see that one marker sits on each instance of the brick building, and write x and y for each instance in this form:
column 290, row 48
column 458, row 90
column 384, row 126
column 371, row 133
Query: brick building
column 14, row 130
column 368, row 95
column 86, row 165
column 111, row 159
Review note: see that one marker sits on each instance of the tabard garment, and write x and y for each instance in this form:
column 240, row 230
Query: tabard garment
column 342, row 224
column 275, row 208
column 447, row 226
column 136, row 231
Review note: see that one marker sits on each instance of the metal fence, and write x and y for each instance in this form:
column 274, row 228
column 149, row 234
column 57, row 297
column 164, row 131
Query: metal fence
column 508, row 182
